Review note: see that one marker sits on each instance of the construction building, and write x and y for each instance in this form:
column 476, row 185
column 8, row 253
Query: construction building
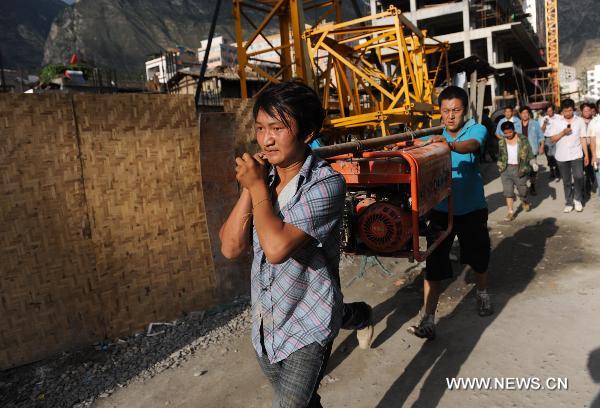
column 163, row 66
column 535, row 10
column 593, row 83
column 570, row 85
column 177, row 70
column 498, row 32
column 219, row 83
column 222, row 53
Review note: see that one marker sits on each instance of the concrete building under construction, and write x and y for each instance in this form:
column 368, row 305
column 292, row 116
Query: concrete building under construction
column 498, row 32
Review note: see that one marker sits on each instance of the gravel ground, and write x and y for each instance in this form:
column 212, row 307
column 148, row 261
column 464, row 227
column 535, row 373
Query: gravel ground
column 76, row 379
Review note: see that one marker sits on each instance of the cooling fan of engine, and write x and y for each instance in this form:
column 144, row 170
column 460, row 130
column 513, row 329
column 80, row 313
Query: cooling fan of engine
column 384, row 227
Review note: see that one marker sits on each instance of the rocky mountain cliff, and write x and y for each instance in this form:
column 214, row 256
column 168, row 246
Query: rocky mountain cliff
column 24, row 26
column 122, row 33
column 579, row 33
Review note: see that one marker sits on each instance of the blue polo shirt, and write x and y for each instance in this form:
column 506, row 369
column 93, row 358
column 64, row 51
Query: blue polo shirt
column 516, row 121
column 467, row 184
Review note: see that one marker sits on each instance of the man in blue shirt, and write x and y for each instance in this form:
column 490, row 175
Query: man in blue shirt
column 532, row 130
column 509, row 115
column 469, row 211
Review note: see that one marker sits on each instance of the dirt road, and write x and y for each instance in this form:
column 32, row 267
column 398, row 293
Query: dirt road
column 545, row 281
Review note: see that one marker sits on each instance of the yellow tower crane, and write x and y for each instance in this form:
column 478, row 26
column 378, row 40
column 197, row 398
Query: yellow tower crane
column 372, row 72
column 287, row 19
column 552, row 56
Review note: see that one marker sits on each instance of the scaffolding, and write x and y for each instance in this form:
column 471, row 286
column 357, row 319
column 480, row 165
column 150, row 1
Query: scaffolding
column 374, row 72
column 544, row 89
column 287, row 19
column 371, row 72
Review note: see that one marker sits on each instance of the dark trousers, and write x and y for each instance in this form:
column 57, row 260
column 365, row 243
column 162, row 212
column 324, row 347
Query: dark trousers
column 357, row 316
column 549, row 151
column 597, row 176
column 589, row 180
column 533, row 178
column 474, row 239
column 491, row 147
column 295, row 380
column 572, row 176
column 589, row 176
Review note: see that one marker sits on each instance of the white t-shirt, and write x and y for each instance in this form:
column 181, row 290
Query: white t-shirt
column 549, row 132
column 287, row 193
column 594, row 131
column 586, row 127
column 569, row 147
column 513, row 153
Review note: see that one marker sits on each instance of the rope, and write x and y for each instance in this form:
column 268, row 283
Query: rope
column 368, row 261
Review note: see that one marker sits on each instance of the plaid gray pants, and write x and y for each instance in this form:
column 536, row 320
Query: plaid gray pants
column 296, row 379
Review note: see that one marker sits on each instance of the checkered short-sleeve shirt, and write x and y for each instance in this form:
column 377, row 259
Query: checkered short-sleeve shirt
column 299, row 301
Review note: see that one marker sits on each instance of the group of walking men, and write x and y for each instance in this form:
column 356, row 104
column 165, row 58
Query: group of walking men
column 570, row 142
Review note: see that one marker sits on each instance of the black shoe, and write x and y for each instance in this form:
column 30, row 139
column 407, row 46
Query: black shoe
column 484, row 305
column 425, row 329
column 365, row 335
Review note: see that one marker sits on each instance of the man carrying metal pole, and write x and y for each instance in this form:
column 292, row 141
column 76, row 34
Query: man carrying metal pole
column 292, row 202
column 470, row 212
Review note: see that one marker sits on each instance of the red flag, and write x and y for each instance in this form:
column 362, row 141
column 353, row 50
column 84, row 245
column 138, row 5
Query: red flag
column 74, row 59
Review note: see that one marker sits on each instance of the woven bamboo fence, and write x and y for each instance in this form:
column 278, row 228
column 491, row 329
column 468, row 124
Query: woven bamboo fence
column 103, row 219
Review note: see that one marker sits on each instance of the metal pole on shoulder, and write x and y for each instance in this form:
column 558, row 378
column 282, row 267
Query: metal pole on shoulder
column 374, row 143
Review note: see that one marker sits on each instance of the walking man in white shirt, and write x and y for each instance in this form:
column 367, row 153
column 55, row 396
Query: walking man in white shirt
column 549, row 148
column 568, row 133
column 594, row 133
column 588, row 171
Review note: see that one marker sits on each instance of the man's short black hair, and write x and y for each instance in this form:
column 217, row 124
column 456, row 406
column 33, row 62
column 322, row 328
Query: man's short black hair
column 598, row 104
column 567, row 103
column 586, row 105
column 292, row 100
column 509, row 107
column 507, row 125
column 526, row 108
column 454, row 92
